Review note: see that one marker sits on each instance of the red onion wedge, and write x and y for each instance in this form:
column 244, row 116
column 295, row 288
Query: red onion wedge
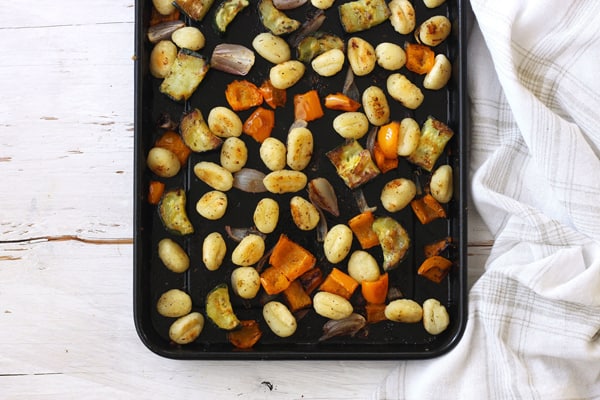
column 249, row 180
column 322, row 194
column 232, row 58
column 288, row 4
column 342, row 327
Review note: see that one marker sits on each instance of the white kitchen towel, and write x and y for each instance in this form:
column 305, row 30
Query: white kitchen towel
column 534, row 315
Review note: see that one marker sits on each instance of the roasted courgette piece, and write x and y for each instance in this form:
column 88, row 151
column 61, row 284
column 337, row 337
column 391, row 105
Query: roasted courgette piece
column 394, row 241
column 361, row 15
column 219, row 308
column 275, row 20
column 195, row 9
column 353, row 164
column 434, row 137
column 173, row 214
column 318, row 43
column 226, row 12
column 196, row 133
column 186, row 73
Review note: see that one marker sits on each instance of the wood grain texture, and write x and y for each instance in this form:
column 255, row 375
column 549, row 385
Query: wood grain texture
column 66, row 223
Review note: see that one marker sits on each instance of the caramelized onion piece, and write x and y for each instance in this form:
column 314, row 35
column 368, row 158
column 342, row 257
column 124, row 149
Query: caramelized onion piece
column 322, row 194
column 361, row 201
column 350, row 89
column 249, row 180
column 311, row 25
column 163, row 30
column 232, row 58
column 237, row 234
column 342, row 327
column 288, row 4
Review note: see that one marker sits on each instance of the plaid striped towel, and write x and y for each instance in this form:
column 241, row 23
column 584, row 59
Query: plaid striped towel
column 534, row 315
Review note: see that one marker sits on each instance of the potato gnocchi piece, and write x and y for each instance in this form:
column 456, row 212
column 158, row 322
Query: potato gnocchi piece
column 441, row 185
column 397, row 194
column 351, row 125
column 189, row 37
column 404, row 310
column 434, row 30
column 163, row 162
column 304, row 214
column 234, row 154
column 390, row 56
column 164, row 7
column 173, row 255
column 271, row 47
column 248, row 251
column 403, row 16
column 375, row 104
column 273, row 154
column 404, row 91
column 174, row 303
column 439, row 75
column 214, row 175
column 361, row 56
column 162, row 56
column 286, row 74
column 266, row 215
column 214, row 249
column 186, row 329
column 337, row 243
column 245, row 282
column 408, row 138
column 329, row 63
column 224, row 122
column 299, row 148
column 279, row 319
column 435, row 317
column 332, row 306
column 212, row 205
column 362, row 266
column 285, row 181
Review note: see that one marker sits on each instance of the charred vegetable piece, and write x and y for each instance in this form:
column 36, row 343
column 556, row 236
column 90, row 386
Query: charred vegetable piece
column 435, row 268
column 340, row 283
column 275, row 20
column 362, row 226
column 196, row 134
column 419, row 58
column 155, row 192
column 232, row 58
column 173, row 214
column 172, row 141
column 436, row 248
column 307, row 106
column 246, row 336
column 361, row 15
column 394, row 241
column 163, row 30
column 272, row 96
column 242, row 95
column 316, row 44
column 227, row 11
column 259, row 124
column 195, row 9
column 219, row 308
column 296, row 297
column 348, row 326
column 186, row 73
column 427, row 209
column 434, row 137
column 341, row 102
column 353, row 164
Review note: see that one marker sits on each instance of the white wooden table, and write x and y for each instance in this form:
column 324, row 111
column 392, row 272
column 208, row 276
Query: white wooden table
column 66, row 223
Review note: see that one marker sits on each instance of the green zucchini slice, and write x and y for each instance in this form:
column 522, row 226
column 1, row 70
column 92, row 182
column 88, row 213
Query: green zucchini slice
column 196, row 134
column 361, row 15
column 275, row 20
column 219, row 308
column 226, row 12
column 173, row 214
column 195, row 9
column 434, row 137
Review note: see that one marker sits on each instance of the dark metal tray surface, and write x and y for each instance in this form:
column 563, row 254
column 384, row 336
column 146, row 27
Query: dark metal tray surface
column 382, row 340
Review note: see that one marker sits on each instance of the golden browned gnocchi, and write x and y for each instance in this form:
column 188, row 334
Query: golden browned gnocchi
column 174, row 303
column 273, row 153
column 223, row 122
column 397, row 194
column 189, row 37
column 304, row 214
column 186, row 329
column 434, row 30
column 266, row 215
column 404, row 91
column 441, row 185
column 163, row 162
column 299, row 148
column 435, row 317
column 285, row 181
column 271, row 47
column 403, row 16
column 286, row 74
column 409, row 135
column 162, row 57
column 173, row 255
column 375, row 104
column 329, row 63
column 234, row 154
column 404, row 310
column 390, row 56
column 248, row 251
column 362, row 266
column 214, row 175
column 212, row 205
column 245, row 282
column 361, row 56
column 351, row 124
column 439, row 75
column 279, row 319
column 164, row 7
column 337, row 243
column 214, row 249
column 332, row 306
